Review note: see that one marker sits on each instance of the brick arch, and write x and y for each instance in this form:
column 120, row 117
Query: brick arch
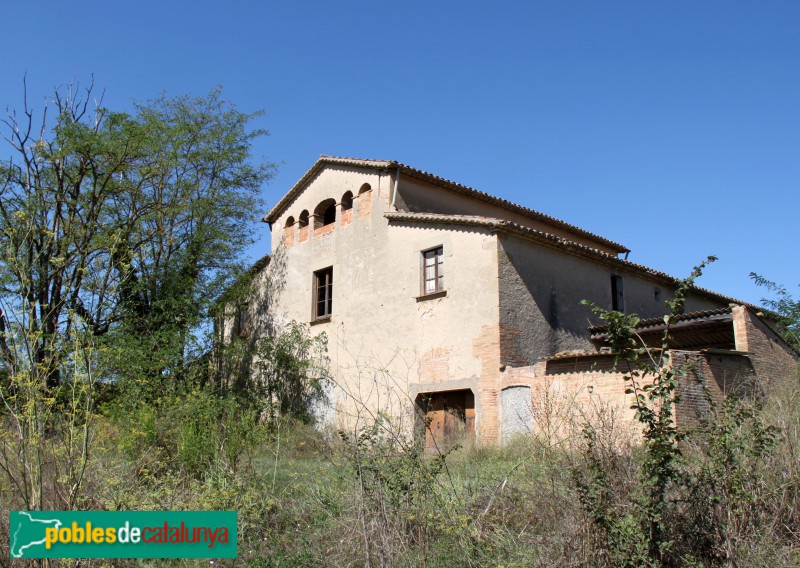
column 288, row 232
column 364, row 201
column 347, row 208
column 302, row 234
column 347, row 200
column 325, row 213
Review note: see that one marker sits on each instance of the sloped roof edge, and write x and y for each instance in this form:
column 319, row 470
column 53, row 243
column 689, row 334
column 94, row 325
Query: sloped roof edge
column 324, row 160
column 558, row 242
column 703, row 315
column 260, row 264
column 257, row 267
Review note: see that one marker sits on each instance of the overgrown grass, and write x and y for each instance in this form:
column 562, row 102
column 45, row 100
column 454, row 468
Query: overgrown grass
column 309, row 498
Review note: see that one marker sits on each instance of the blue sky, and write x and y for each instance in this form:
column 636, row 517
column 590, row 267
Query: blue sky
column 671, row 127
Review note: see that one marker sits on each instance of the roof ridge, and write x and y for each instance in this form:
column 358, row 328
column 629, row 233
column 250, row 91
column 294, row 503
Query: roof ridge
column 516, row 228
column 448, row 184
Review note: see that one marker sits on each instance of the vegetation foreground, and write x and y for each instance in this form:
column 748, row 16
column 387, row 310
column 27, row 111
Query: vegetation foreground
column 120, row 236
column 307, row 498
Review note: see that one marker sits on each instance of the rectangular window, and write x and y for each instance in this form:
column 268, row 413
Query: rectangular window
column 242, row 321
column 323, row 293
column 432, row 270
column 617, row 303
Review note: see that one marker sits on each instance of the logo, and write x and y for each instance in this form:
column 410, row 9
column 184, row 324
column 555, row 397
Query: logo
column 122, row 534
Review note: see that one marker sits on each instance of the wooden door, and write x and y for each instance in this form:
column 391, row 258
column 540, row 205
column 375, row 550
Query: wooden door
column 449, row 418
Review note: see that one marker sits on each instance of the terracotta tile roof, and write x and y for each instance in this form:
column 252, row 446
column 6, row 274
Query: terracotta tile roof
column 720, row 314
column 434, row 179
column 558, row 242
column 259, row 265
column 577, row 354
column 476, row 220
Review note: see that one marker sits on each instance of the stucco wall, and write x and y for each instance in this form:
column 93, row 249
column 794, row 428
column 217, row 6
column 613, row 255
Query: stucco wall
column 516, row 412
column 508, row 301
column 541, row 289
column 419, row 196
column 386, row 344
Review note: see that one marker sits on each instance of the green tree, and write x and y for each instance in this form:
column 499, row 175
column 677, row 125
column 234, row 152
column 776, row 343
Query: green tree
column 785, row 306
column 290, row 369
column 130, row 222
column 116, row 231
column 641, row 536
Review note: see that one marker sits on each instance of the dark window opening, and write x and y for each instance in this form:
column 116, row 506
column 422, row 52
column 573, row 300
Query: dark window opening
column 329, row 216
column 289, row 222
column 617, row 300
column 241, row 325
column 433, row 270
column 303, row 221
column 347, row 201
column 323, row 293
column 364, row 188
column 325, row 213
column 657, row 294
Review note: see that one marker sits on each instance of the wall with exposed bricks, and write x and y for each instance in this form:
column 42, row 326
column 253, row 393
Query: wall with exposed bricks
column 563, row 403
column 707, row 379
column 773, row 360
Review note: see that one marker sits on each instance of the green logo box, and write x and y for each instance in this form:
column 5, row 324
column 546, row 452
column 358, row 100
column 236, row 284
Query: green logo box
column 122, row 534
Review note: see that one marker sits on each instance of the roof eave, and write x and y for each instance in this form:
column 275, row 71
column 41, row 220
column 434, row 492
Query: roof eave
column 564, row 245
column 321, row 162
column 509, row 205
column 404, row 169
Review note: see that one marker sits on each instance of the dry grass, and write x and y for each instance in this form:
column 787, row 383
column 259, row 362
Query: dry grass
column 311, row 499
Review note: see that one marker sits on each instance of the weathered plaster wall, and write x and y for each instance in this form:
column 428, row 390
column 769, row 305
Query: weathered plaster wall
column 386, row 345
column 419, row 196
column 252, row 294
column 541, row 289
column 516, row 416
column 569, row 393
column 509, row 301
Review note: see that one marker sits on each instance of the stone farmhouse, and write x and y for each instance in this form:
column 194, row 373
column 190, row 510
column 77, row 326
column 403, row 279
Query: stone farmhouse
column 439, row 300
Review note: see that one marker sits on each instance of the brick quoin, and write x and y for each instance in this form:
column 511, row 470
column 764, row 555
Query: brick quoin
column 364, row 201
column 486, row 348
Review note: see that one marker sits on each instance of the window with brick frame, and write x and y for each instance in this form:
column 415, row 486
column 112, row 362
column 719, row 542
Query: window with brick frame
column 432, row 280
column 323, row 293
column 303, row 220
column 325, row 213
column 347, row 201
